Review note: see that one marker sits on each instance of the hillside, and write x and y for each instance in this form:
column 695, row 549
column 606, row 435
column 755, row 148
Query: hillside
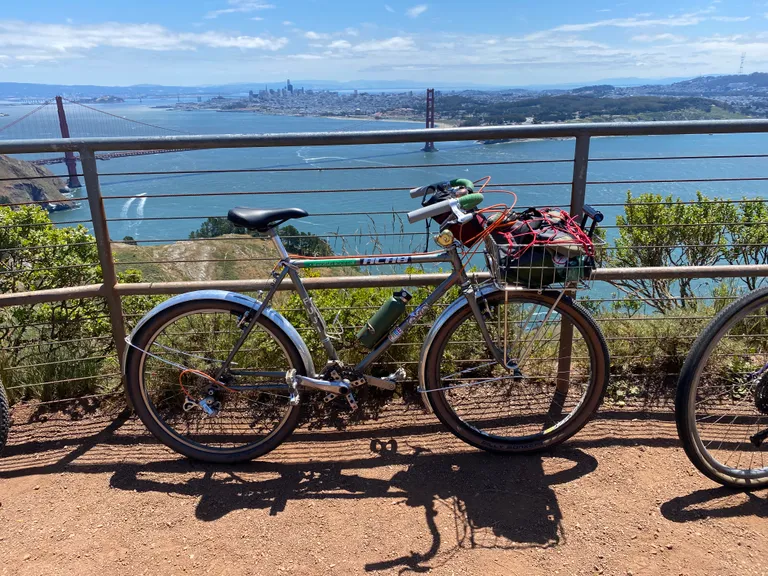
column 29, row 186
column 228, row 257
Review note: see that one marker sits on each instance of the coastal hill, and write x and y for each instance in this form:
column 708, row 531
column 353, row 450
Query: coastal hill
column 21, row 181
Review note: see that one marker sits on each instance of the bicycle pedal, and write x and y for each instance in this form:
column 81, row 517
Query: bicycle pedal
column 352, row 402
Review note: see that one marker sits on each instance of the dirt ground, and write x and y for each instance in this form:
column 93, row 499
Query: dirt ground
column 98, row 496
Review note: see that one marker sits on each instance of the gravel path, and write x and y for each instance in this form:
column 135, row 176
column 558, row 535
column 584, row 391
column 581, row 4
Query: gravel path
column 97, row 496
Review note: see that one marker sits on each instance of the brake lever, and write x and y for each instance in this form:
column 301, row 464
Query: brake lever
column 461, row 216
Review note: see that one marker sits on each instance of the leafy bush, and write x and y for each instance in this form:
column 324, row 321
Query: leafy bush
column 664, row 231
column 66, row 342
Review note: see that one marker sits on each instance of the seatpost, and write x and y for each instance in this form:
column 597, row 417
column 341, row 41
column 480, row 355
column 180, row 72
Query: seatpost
column 275, row 237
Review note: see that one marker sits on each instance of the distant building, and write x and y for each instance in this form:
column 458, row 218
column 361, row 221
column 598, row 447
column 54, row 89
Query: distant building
column 289, row 86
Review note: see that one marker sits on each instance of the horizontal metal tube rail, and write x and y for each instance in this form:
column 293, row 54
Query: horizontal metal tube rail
column 373, row 281
column 384, row 136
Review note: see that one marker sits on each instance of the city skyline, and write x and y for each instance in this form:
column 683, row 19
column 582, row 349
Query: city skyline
column 488, row 43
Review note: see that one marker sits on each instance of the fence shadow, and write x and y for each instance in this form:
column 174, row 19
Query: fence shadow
column 495, row 502
column 703, row 504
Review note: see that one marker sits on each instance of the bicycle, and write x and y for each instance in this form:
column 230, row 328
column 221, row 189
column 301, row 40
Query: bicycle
column 5, row 417
column 721, row 407
column 219, row 376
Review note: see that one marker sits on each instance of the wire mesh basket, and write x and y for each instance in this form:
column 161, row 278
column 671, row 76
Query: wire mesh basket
column 542, row 265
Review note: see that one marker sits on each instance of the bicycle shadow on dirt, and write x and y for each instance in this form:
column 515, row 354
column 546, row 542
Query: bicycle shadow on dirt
column 718, row 502
column 496, row 502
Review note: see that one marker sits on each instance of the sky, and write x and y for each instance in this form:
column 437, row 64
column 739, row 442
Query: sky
column 489, row 42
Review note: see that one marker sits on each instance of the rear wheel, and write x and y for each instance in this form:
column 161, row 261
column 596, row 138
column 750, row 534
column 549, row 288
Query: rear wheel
column 171, row 377
column 722, row 396
column 549, row 393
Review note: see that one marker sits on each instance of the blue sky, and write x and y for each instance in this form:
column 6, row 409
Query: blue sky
column 502, row 42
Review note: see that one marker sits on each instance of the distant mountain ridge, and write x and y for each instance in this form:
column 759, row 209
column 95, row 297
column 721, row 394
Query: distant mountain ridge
column 30, row 90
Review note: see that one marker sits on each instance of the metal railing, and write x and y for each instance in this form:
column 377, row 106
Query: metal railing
column 112, row 291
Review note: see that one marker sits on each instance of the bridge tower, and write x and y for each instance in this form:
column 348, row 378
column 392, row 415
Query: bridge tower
column 69, row 157
column 430, row 146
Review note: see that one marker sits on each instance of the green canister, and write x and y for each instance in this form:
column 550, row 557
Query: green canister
column 387, row 316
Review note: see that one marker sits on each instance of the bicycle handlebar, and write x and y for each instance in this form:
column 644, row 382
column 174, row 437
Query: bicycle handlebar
column 430, row 211
column 455, row 205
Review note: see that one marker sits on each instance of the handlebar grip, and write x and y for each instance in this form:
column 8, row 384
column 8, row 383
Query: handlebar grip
column 421, row 191
column 596, row 215
column 429, row 211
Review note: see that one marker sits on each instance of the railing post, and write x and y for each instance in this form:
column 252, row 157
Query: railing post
column 578, row 195
column 104, row 246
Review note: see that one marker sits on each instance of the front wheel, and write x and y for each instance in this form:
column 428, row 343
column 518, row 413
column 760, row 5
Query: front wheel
column 172, row 379
column 550, row 388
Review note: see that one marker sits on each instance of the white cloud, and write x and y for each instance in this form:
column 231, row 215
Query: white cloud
column 339, row 45
column 287, row 23
column 388, row 8
column 257, row 18
column 683, row 20
column 65, row 40
column 239, row 6
column 416, row 11
column 657, row 38
column 316, row 36
column 351, row 32
column 394, row 44
column 730, row 18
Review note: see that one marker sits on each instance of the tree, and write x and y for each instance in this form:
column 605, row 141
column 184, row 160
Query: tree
column 656, row 231
column 303, row 243
column 70, row 341
column 214, row 227
column 749, row 237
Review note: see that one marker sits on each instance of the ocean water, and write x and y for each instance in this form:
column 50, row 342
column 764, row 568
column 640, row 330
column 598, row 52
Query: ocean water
column 154, row 208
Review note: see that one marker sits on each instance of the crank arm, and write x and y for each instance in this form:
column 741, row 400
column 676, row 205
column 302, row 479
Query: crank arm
column 341, row 388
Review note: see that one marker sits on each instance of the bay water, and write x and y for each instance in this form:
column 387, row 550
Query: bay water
column 154, row 208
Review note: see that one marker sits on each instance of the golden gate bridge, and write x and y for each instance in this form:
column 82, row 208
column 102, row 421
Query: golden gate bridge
column 60, row 118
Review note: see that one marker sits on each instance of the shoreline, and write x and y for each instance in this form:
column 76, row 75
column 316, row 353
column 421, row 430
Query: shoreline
column 438, row 124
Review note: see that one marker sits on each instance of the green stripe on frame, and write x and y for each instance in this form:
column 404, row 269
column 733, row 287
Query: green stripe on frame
column 334, row 263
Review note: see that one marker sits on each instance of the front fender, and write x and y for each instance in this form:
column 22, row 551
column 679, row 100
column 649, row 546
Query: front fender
column 224, row 295
column 452, row 309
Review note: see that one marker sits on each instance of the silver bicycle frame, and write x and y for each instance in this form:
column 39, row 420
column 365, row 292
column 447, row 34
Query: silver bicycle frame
column 290, row 267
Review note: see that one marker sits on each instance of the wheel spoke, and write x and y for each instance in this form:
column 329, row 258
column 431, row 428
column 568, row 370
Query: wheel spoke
column 240, row 415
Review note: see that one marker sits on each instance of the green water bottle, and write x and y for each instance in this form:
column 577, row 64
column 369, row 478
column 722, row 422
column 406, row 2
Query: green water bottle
column 377, row 327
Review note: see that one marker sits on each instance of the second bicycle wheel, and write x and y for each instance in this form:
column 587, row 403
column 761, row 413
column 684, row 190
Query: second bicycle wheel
column 555, row 385
column 722, row 396
column 170, row 371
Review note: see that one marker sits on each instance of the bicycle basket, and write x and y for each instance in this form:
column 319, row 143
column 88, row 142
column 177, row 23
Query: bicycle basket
column 538, row 266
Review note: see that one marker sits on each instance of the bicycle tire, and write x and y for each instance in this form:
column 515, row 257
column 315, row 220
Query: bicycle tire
column 547, row 438
column 135, row 363
column 5, row 418
column 687, row 388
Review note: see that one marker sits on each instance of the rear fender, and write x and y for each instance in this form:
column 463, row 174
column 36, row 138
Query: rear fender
column 225, row 296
